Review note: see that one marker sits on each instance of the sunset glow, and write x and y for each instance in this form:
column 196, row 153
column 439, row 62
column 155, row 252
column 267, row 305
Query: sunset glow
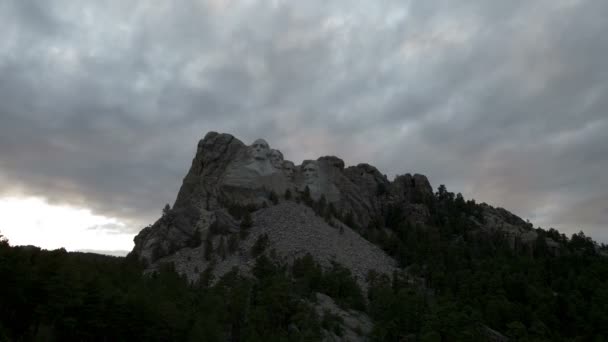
column 34, row 221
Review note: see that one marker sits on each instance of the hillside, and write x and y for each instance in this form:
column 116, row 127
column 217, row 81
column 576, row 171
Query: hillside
column 228, row 178
column 256, row 248
column 291, row 231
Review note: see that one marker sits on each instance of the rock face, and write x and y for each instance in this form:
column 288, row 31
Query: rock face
column 228, row 177
column 238, row 202
column 293, row 230
column 355, row 324
column 227, row 172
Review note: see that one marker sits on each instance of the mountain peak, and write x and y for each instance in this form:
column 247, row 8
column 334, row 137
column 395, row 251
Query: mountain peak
column 229, row 180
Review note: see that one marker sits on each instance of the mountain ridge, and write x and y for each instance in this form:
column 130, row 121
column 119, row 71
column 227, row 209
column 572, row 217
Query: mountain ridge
column 228, row 178
column 342, row 254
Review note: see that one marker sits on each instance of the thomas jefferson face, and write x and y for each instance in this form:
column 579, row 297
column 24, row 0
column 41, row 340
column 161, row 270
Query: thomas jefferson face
column 260, row 149
column 310, row 171
column 276, row 159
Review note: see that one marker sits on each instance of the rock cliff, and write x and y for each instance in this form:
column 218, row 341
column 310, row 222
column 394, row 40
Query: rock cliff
column 319, row 207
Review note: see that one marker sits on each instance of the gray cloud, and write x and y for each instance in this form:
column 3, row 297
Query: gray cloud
column 101, row 105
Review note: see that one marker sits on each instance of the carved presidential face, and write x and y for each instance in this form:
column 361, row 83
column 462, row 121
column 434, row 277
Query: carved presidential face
column 276, row 158
column 260, row 149
column 289, row 169
column 310, row 171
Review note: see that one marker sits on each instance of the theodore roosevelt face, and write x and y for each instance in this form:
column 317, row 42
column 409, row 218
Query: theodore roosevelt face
column 289, row 169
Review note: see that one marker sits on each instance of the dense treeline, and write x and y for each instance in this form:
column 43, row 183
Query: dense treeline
column 474, row 279
column 524, row 297
column 466, row 284
column 458, row 284
column 61, row 296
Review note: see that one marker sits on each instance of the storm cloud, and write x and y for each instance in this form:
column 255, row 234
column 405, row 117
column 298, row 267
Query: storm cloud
column 102, row 103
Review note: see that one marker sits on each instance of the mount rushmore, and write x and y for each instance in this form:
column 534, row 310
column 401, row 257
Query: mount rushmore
column 227, row 174
column 259, row 166
column 228, row 178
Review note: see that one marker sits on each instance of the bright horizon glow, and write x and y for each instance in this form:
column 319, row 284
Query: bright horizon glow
column 33, row 221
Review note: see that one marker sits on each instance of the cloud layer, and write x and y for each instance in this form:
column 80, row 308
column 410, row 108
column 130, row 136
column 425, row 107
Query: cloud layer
column 102, row 103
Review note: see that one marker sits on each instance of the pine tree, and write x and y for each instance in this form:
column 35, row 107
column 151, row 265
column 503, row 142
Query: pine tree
column 221, row 248
column 207, row 277
column 195, row 240
column 247, row 221
column 306, row 197
column 274, row 198
column 349, row 220
column 260, row 245
column 233, row 244
column 321, row 206
column 246, row 224
column 166, row 209
column 331, row 210
column 208, row 249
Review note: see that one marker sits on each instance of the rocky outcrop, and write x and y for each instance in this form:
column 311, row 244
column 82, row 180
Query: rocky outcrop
column 228, row 177
column 519, row 234
column 412, row 189
column 239, row 202
column 293, row 231
column 225, row 172
column 354, row 325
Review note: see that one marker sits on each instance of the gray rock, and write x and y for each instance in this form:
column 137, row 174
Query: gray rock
column 227, row 175
column 225, row 172
column 293, row 230
column 355, row 326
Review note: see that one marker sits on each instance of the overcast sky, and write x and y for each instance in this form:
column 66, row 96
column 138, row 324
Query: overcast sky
column 102, row 103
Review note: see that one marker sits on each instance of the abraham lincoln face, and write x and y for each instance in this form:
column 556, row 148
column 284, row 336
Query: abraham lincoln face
column 310, row 171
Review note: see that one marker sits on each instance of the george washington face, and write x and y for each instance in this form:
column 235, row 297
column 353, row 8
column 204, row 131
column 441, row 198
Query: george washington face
column 260, row 149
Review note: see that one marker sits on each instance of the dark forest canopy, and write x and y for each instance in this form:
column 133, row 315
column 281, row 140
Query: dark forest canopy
column 456, row 285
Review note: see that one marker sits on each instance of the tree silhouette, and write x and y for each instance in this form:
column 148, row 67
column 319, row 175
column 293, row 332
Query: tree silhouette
column 166, row 209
